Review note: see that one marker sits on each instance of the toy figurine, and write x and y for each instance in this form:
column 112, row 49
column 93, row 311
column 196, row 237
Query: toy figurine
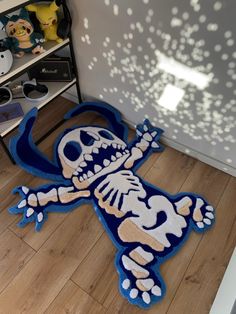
column 47, row 17
column 21, row 35
column 6, row 59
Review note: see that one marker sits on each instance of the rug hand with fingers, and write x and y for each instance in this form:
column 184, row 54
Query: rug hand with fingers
column 95, row 164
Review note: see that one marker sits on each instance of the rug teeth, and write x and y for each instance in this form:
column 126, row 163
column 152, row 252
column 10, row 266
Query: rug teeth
column 83, row 164
column 88, row 157
column 90, row 174
column 95, row 150
column 97, row 168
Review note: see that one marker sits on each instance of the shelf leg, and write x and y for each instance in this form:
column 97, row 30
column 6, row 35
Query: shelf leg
column 7, row 150
column 73, row 58
column 50, row 131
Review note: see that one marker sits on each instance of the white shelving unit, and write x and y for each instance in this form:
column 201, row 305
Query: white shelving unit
column 21, row 65
column 6, row 5
column 54, row 89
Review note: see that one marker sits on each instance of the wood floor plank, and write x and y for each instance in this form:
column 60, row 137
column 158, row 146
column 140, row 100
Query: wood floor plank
column 73, row 300
column 14, row 255
column 36, row 239
column 37, row 285
column 200, row 178
column 7, row 199
column 205, row 272
column 97, row 273
column 170, row 170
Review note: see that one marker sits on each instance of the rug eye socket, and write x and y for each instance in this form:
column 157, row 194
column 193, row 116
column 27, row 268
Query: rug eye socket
column 105, row 134
column 87, row 139
column 72, row 150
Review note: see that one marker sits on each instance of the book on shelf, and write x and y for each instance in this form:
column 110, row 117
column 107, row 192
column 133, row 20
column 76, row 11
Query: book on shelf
column 10, row 112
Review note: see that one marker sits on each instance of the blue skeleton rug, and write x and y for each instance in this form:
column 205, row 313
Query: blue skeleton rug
column 97, row 165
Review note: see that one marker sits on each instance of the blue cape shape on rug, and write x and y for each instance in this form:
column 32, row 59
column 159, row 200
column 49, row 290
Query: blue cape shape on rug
column 97, row 165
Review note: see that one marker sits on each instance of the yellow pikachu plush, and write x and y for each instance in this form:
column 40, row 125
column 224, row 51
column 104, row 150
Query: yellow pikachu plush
column 47, row 17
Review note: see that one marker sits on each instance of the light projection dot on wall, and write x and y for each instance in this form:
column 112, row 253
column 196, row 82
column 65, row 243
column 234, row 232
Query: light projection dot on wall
column 230, row 42
column 212, row 27
column 224, row 56
column 85, row 23
column 132, row 26
column 217, row 48
column 231, row 65
column 217, row 6
column 129, row 11
column 202, row 18
column 228, row 34
column 185, row 15
column 115, row 9
column 176, row 22
column 229, row 84
column 107, row 2
column 145, row 1
column 151, row 29
column 174, row 10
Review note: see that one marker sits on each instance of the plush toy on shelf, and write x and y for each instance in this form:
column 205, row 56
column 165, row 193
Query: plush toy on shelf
column 6, row 58
column 21, row 35
column 48, row 19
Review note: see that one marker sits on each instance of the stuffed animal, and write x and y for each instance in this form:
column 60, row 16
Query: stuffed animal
column 47, row 16
column 6, row 58
column 21, row 35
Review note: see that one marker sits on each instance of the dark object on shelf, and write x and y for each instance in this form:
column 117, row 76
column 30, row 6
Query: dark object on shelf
column 56, row 69
column 64, row 26
column 33, row 91
column 10, row 112
column 30, row 90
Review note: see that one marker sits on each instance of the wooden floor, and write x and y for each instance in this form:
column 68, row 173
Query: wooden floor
column 69, row 266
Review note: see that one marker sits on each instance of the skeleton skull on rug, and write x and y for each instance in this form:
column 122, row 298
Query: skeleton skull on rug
column 95, row 164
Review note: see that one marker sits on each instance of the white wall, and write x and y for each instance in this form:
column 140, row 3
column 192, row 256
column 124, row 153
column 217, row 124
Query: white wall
column 128, row 51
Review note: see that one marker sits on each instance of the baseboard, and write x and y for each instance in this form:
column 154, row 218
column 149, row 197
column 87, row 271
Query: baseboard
column 180, row 147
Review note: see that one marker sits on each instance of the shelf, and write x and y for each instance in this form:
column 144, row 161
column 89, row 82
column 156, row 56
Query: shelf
column 7, row 5
column 55, row 89
column 21, row 64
